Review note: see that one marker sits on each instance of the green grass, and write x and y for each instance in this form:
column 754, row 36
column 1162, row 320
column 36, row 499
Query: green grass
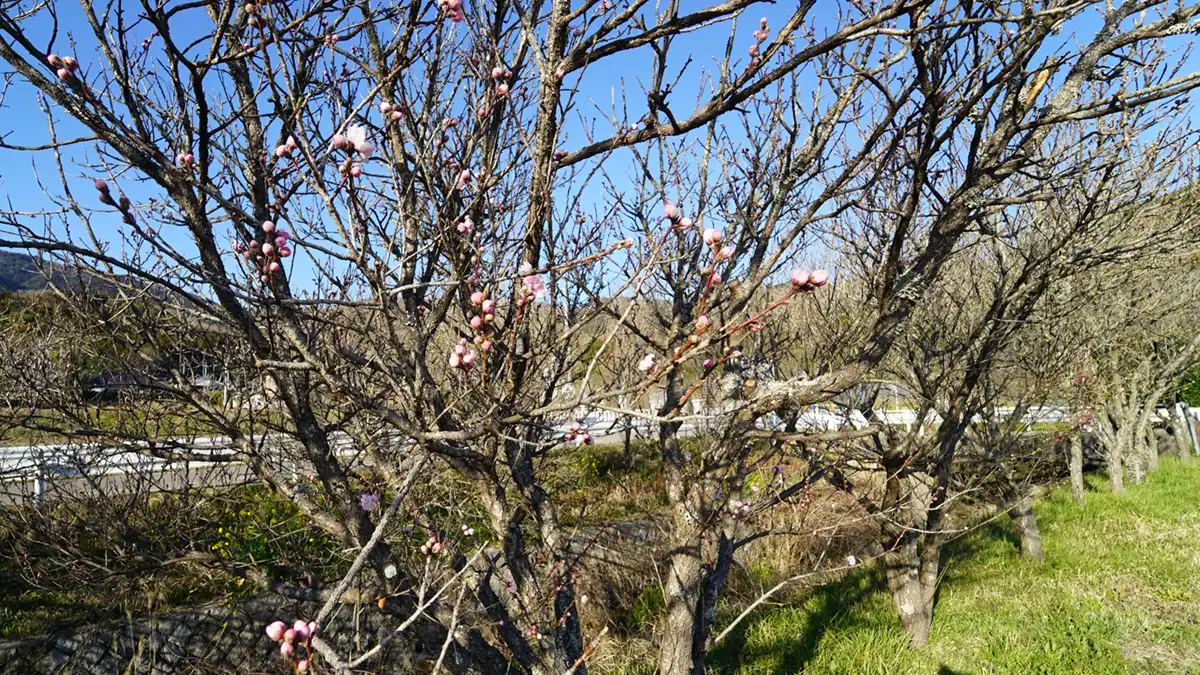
column 1119, row 593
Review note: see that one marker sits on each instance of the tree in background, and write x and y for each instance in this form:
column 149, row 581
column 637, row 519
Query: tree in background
column 413, row 258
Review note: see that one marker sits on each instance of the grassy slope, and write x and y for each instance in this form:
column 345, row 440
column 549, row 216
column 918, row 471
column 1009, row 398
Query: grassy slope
column 1119, row 593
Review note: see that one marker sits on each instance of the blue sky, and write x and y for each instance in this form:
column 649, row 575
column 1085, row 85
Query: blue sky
column 24, row 122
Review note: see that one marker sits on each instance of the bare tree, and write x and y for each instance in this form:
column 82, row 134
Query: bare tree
column 403, row 263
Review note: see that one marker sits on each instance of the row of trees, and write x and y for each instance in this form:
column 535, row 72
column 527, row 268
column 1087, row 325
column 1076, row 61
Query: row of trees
column 404, row 225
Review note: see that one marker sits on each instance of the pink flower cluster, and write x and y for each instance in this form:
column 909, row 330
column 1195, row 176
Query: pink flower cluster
column 185, row 159
column 464, row 179
column 760, row 36
column 432, row 546
column 502, row 76
column 453, row 9
column 673, row 214
column 462, row 357
column 267, row 254
column 481, row 323
column 288, row 638
column 578, row 435
column 66, row 66
column 803, row 280
column 739, row 507
column 123, row 205
column 391, row 111
column 353, row 141
column 533, row 286
column 286, row 149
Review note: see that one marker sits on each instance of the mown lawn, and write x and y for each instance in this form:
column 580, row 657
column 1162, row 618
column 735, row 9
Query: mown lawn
column 1119, row 593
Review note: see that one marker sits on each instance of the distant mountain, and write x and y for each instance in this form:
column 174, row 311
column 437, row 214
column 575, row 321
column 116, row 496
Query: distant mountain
column 19, row 272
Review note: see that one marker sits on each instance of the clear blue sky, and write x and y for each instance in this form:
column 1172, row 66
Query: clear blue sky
column 24, row 122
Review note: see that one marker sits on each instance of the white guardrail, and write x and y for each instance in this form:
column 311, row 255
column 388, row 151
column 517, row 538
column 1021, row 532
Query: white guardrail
column 52, row 461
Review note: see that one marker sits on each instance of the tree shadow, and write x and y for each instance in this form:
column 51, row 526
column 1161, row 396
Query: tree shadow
column 822, row 609
column 947, row 670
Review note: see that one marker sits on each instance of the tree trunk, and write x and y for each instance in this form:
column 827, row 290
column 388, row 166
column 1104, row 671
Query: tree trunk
column 1137, row 451
column 1026, row 525
column 913, row 605
column 1151, row 448
column 1116, row 465
column 680, row 594
column 1183, row 440
column 908, row 550
column 1076, row 464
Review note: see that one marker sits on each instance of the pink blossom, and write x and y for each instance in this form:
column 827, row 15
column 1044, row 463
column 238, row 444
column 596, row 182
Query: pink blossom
column 55, row 60
column 647, row 363
column 476, row 321
column 497, row 73
column 268, row 226
column 819, row 278
column 685, row 223
column 702, row 322
column 301, row 630
column 488, row 306
column 671, row 211
column 357, row 137
column 466, row 225
column 63, row 74
column 455, row 360
column 356, row 170
column 312, row 627
column 467, row 360
column 712, row 236
column 284, row 251
column 274, row 266
column 282, row 151
column 463, row 178
column 275, row 630
column 286, row 650
column 708, row 363
column 724, row 253
column 486, row 345
column 268, row 249
column 477, row 298
column 385, row 107
column 502, row 89
column 291, row 144
column 800, row 277
column 71, row 63
column 338, row 142
column 536, row 285
column 302, row 666
column 289, row 635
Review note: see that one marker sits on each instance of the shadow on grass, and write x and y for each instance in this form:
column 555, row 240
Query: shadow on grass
column 788, row 638
column 825, row 608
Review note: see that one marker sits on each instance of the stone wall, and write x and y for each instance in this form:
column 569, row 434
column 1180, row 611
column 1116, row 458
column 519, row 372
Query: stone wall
column 216, row 638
